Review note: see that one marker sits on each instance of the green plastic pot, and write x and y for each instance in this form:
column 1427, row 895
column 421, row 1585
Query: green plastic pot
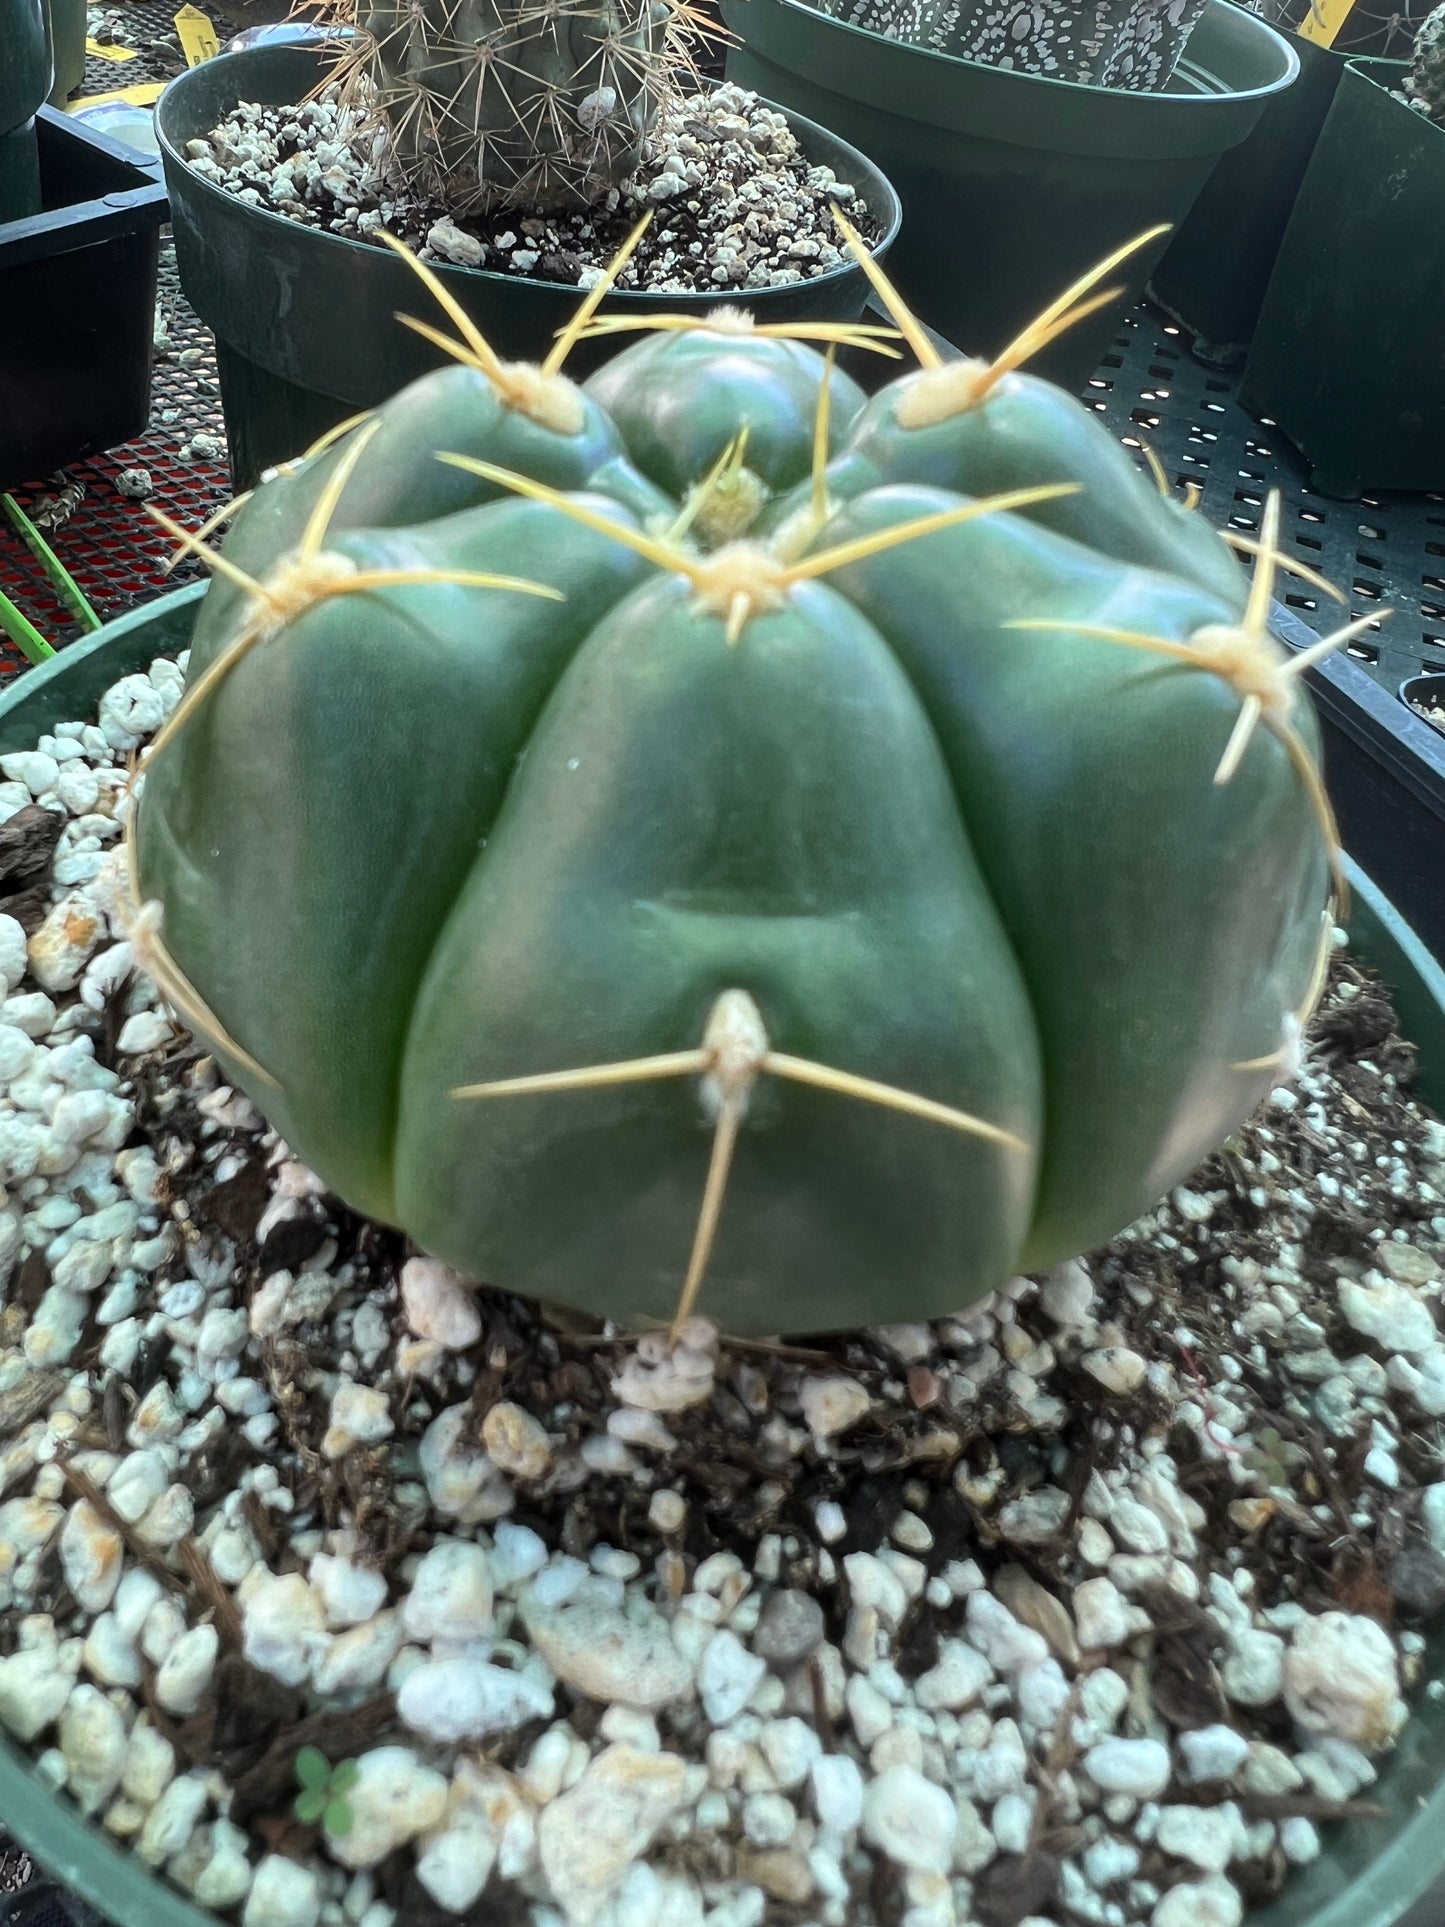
column 1381, row 1872
column 67, row 48
column 305, row 321
column 1346, row 356
column 1013, row 184
column 25, row 74
column 1217, row 266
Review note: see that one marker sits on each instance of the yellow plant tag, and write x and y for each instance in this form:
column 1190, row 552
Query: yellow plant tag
column 145, row 93
column 198, row 36
column 1323, row 21
column 107, row 52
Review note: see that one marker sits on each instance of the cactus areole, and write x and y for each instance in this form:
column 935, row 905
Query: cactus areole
column 707, row 829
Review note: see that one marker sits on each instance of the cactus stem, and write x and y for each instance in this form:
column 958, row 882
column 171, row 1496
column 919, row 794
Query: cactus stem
column 333, row 434
column 544, row 396
column 875, row 338
column 821, row 425
column 827, row 560
column 904, row 319
column 734, row 1053
column 660, row 553
column 318, row 523
column 730, row 461
column 308, row 575
column 151, row 954
column 568, row 337
column 1288, row 1059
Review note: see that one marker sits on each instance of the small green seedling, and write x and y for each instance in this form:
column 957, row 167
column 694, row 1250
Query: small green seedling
column 323, row 1791
column 1273, row 1458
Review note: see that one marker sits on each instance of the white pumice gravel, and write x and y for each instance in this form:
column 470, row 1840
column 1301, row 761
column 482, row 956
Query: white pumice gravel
column 1036, row 1615
column 736, row 204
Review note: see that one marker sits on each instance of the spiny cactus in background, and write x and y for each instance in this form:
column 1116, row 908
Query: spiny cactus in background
column 534, row 104
column 1427, row 69
column 707, row 833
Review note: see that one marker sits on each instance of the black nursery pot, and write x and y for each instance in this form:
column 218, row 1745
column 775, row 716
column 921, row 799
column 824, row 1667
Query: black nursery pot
column 305, row 321
column 25, row 74
column 1217, row 266
column 1346, row 355
column 1014, row 183
column 77, row 303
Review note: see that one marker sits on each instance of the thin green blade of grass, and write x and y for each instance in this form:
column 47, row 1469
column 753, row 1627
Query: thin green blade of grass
column 60, row 578
column 23, row 632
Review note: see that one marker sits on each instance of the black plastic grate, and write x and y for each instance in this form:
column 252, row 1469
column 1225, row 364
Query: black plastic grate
column 1384, row 551
column 147, row 30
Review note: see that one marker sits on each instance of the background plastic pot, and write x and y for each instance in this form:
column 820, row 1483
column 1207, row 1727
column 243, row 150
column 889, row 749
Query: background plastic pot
column 77, row 303
column 305, row 322
column 1013, row 184
column 1372, row 1873
column 25, row 74
column 1347, row 350
column 1217, row 266
column 67, row 48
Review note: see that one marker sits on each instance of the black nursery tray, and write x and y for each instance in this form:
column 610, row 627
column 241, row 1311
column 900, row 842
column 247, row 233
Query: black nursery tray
column 77, row 303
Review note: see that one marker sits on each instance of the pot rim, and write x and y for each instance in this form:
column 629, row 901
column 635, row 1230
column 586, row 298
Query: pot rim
column 890, row 217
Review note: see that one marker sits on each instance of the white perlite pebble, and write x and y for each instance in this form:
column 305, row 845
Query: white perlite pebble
column 283, row 1894
column 186, row 1672
column 456, row 1862
column 956, row 1681
column 92, row 1738
column 350, row 1595
column 1101, row 1614
column 728, row 1677
column 1140, row 1768
column 832, row 1404
column 837, row 1784
column 1115, row 1368
column 1253, row 1670
column 34, row 1687
column 448, row 1700
column 910, row 1819
column 61, row 947
column 439, row 1304
column 91, row 1557
column 1209, row 1837
column 516, row 1441
column 1341, row 1678
column 590, row 1835
column 393, row 1799
column 1203, row 1903
column 283, row 1627
column 451, row 1595
column 599, row 1651
column 360, row 1415
column 1212, row 1753
column 1397, row 1318
column 12, row 953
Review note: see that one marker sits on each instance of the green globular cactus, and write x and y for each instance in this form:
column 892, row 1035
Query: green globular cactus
column 1427, row 68
column 832, row 905
column 532, row 104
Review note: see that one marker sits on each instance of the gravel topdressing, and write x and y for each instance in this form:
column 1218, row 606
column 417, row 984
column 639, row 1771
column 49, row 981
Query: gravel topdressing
column 736, row 203
column 1088, row 1608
